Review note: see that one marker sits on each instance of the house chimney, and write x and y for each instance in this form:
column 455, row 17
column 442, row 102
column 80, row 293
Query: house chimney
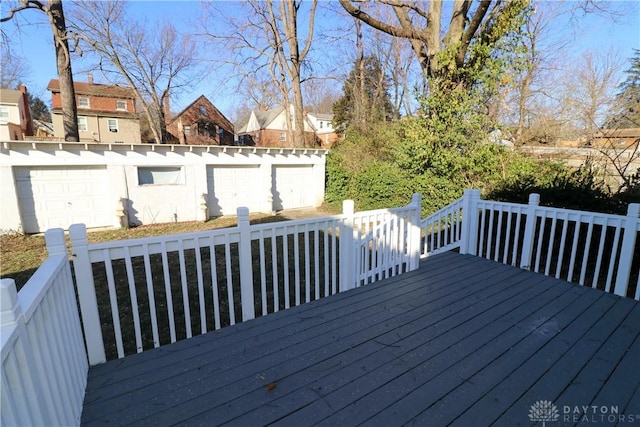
column 90, row 78
column 167, row 110
column 263, row 107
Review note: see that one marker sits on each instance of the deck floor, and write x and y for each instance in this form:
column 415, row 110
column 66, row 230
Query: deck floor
column 460, row 341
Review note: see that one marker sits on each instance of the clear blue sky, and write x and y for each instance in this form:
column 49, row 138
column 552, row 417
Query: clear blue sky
column 33, row 42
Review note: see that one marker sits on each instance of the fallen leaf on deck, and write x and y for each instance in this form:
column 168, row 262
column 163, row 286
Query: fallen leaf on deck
column 271, row 386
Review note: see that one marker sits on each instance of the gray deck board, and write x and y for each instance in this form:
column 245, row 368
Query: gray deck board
column 460, row 341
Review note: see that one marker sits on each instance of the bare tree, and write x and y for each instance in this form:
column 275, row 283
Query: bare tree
column 534, row 88
column 267, row 40
column 590, row 90
column 14, row 69
column 55, row 14
column 155, row 63
column 469, row 22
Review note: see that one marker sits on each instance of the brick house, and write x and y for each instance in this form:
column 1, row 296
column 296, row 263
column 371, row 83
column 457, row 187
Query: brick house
column 106, row 113
column 15, row 114
column 201, row 123
column 268, row 128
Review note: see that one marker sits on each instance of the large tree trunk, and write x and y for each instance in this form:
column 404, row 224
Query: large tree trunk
column 65, row 76
column 290, row 14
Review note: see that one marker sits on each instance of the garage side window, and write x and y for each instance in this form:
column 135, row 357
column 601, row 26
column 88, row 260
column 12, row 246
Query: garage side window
column 160, row 176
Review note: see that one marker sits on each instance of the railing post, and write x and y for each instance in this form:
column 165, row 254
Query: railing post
column 469, row 238
column 87, row 294
column 55, row 241
column 9, row 307
column 414, row 235
column 246, row 265
column 627, row 250
column 529, row 232
column 347, row 247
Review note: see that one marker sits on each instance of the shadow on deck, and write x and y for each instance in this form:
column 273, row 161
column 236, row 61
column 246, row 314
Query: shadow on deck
column 460, row 341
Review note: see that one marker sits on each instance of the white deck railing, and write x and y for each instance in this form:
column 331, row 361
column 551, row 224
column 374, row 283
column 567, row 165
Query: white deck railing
column 158, row 290
column 587, row 248
column 44, row 364
column 442, row 230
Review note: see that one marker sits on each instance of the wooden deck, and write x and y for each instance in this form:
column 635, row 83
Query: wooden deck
column 460, row 341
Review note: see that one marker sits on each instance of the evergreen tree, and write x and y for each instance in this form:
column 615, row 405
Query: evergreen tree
column 39, row 110
column 626, row 110
column 365, row 97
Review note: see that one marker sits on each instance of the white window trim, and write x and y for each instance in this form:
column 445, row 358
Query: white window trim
column 88, row 102
column 125, row 105
column 283, row 136
column 115, row 121
column 83, row 122
column 160, row 175
column 4, row 112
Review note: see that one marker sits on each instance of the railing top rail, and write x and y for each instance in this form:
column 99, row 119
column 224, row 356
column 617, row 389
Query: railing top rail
column 384, row 211
column 219, row 232
column 37, row 286
column 453, row 205
column 513, row 205
column 571, row 214
column 296, row 222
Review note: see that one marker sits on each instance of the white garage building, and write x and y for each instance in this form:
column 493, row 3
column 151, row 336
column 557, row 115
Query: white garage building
column 47, row 184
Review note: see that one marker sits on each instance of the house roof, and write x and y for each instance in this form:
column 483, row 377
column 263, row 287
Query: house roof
column 322, row 116
column 8, row 96
column 82, row 88
column 266, row 117
column 203, row 98
column 618, row 133
column 46, row 126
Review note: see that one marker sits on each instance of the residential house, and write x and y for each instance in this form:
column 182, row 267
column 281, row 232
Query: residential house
column 201, row 123
column 616, row 138
column 43, row 130
column 325, row 133
column 268, row 128
column 106, row 113
column 15, row 114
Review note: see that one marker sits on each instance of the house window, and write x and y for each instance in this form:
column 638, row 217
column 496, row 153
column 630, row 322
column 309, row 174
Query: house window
column 160, row 176
column 121, row 105
column 321, row 123
column 113, row 125
column 187, row 130
column 283, row 136
column 82, row 124
column 203, row 110
column 83, row 102
column 4, row 112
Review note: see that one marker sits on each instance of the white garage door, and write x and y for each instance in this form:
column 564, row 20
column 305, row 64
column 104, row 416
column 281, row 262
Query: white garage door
column 292, row 187
column 53, row 197
column 230, row 187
